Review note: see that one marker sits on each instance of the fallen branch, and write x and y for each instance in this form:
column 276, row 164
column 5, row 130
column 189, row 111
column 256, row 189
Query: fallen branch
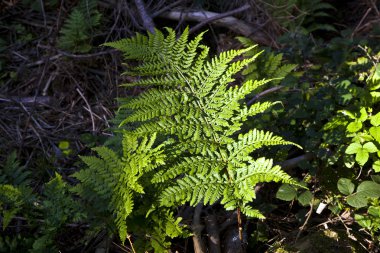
column 39, row 100
column 265, row 92
column 238, row 26
column 219, row 16
column 145, row 17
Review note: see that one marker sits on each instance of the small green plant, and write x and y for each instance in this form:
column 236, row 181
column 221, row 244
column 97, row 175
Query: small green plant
column 361, row 123
column 77, row 31
column 288, row 192
column 300, row 15
column 267, row 66
column 200, row 154
column 45, row 214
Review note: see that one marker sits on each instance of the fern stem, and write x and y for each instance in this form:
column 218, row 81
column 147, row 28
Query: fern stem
column 239, row 224
column 130, row 242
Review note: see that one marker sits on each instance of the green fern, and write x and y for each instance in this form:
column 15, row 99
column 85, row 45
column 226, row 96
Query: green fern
column 13, row 173
column 117, row 180
column 200, row 155
column 76, row 33
column 191, row 99
column 267, row 66
column 14, row 190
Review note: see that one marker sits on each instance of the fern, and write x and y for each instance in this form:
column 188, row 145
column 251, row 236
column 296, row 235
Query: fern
column 13, row 173
column 200, row 155
column 268, row 66
column 191, row 99
column 76, row 33
column 14, row 190
column 116, row 180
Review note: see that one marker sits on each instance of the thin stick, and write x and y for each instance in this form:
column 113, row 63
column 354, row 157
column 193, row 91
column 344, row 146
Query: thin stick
column 360, row 22
column 274, row 89
column 232, row 23
column 166, row 8
column 130, row 242
column 89, row 108
column 306, row 221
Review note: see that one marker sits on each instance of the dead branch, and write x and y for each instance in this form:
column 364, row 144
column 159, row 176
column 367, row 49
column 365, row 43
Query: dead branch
column 268, row 91
column 145, row 17
column 238, row 26
column 219, row 16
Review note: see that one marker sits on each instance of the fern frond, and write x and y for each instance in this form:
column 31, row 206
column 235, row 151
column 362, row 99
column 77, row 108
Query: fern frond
column 253, row 140
column 262, row 170
column 195, row 189
column 253, row 213
column 190, row 165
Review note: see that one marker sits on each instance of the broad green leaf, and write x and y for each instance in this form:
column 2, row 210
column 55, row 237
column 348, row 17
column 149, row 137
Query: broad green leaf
column 360, row 137
column 375, row 178
column 353, row 148
column 375, row 95
column 305, row 198
column 363, row 221
column 376, row 166
column 345, row 186
column 363, row 114
column 286, row 192
column 370, row 147
column 362, row 157
column 369, row 189
column 375, row 132
column 354, row 126
column 375, row 119
column 357, row 200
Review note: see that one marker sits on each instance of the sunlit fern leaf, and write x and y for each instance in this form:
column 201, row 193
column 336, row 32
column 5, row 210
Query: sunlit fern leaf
column 253, row 140
column 190, row 165
column 253, row 213
column 195, row 189
column 117, row 179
